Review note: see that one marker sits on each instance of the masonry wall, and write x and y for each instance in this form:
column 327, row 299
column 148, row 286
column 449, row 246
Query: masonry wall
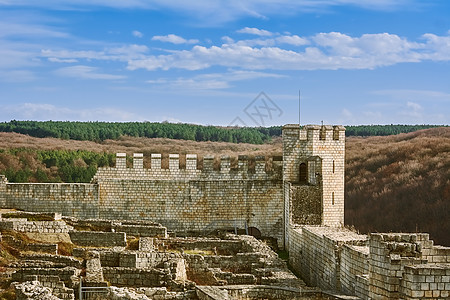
column 354, row 267
column 181, row 199
column 378, row 266
column 70, row 199
column 193, row 200
column 315, row 252
column 322, row 150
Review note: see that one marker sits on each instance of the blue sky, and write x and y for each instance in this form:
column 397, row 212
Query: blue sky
column 207, row 61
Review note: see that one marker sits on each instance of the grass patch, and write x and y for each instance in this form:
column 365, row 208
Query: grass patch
column 65, row 248
column 283, row 254
column 201, row 252
column 8, row 294
column 132, row 244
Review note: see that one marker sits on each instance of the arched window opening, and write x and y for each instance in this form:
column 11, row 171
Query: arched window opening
column 333, row 166
column 303, row 173
column 332, row 198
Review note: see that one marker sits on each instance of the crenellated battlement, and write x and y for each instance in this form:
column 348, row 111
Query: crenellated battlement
column 192, row 168
column 315, row 132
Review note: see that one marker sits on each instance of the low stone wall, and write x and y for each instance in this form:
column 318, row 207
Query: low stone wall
column 142, row 260
column 232, row 278
column 239, row 263
column 142, row 230
column 426, row 281
column 22, row 225
column 65, row 274
column 217, row 246
column 98, row 239
column 252, row 292
column 136, row 277
column 57, row 259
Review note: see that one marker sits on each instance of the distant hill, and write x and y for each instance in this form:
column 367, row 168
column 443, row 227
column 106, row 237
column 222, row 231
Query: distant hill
column 400, row 183
column 393, row 183
column 100, row 131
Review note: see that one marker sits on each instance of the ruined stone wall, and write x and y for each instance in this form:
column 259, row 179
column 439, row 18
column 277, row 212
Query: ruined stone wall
column 315, row 253
column 380, row 266
column 98, row 239
column 22, row 225
column 354, row 262
column 426, row 281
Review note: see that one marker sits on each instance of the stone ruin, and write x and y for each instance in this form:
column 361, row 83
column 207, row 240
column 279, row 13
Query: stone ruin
column 121, row 250
column 139, row 260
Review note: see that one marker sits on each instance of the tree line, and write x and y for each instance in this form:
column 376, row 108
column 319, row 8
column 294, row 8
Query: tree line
column 383, row 130
column 100, row 131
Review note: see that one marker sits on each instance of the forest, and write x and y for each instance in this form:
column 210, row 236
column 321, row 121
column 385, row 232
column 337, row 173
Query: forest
column 392, row 183
column 100, row 131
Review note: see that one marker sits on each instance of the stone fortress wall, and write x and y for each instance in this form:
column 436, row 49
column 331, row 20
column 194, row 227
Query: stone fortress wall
column 300, row 203
column 183, row 200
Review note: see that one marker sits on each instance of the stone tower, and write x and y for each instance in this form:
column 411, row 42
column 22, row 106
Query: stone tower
column 313, row 174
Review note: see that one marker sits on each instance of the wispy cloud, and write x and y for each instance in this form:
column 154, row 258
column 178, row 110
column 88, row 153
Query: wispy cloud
column 17, row 76
column 123, row 53
column 255, row 31
column 86, row 72
column 211, row 81
column 217, row 11
column 137, row 34
column 174, row 39
column 45, row 111
column 414, row 95
column 30, row 30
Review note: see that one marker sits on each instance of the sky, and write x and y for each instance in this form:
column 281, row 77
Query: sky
column 235, row 62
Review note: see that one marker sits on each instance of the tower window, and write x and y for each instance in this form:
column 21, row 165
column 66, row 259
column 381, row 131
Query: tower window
column 332, row 198
column 333, row 166
column 303, row 173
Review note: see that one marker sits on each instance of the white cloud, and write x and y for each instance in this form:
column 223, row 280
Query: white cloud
column 437, row 47
column 86, row 72
column 174, row 39
column 211, row 80
column 123, row 53
column 330, row 51
column 255, row 31
column 292, row 40
column 227, row 40
column 15, row 29
column 137, row 34
column 45, row 111
column 59, row 60
column 413, row 112
column 413, row 106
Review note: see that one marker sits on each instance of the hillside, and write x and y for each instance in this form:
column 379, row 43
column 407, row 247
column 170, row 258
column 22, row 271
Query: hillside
column 400, row 183
column 393, row 183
